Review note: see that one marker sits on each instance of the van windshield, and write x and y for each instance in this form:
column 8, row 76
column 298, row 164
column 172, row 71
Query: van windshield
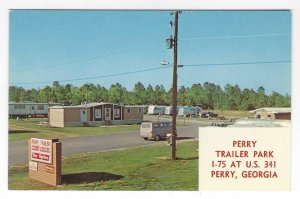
column 146, row 125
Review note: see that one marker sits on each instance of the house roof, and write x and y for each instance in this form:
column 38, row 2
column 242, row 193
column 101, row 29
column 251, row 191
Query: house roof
column 33, row 103
column 134, row 106
column 88, row 105
column 93, row 104
column 272, row 110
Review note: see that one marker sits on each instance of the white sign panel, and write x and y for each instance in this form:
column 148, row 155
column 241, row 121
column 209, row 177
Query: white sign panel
column 244, row 159
column 33, row 166
column 41, row 150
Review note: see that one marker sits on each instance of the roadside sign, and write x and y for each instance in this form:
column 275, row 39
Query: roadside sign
column 41, row 150
column 45, row 160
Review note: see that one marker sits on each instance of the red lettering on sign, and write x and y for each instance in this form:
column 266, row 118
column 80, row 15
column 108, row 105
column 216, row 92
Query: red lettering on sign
column 41, row 150
column 35, row 155
column 44, row 149
column 34, row 148
column 33, row 141
column 44, row 157
column 45, row 143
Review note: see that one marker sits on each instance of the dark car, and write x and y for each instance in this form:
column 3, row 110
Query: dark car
column 209, row 115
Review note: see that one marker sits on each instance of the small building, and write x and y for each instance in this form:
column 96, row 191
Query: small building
column 272, row 113
column 29, row 109
column 95, row 114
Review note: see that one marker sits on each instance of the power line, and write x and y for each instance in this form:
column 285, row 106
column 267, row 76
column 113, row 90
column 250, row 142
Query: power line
column 238, row 63
column 97, row 77
column 74, row 62
column 82, row 60
column 236, row 36
column 158, row 68
column 128, row 51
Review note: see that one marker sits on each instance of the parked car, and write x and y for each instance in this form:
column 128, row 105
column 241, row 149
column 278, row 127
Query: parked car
column 155, row 130
column 209, row 115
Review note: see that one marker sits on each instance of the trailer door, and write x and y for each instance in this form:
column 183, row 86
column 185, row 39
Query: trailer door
column 83, row 115
column 107, row 114
column 32, row 109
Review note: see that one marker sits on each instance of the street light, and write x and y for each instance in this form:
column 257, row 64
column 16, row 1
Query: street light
column 164, row 63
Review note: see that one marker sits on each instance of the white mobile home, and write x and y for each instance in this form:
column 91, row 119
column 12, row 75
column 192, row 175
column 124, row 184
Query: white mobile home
column 169, row 110
column 156, row 110
column 198, row 110
column 29, row 109
column 189, row 111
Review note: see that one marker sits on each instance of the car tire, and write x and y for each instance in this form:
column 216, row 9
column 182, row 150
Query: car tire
column 157, row 137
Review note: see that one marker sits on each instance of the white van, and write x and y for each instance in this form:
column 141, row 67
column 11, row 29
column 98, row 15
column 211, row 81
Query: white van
column 155, row 130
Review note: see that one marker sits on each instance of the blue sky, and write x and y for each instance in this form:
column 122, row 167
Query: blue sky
column 52, row 45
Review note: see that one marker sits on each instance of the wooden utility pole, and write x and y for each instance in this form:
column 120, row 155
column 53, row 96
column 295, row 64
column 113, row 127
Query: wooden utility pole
column 174, row 101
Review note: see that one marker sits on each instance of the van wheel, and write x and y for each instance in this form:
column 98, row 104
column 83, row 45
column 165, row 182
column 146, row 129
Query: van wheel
column 145, row 138
column 157, row 137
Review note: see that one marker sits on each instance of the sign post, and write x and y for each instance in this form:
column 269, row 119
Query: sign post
column 45, row 160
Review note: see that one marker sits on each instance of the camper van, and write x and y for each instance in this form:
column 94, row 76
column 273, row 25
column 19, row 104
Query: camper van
column 156, row 110
column 155, row 130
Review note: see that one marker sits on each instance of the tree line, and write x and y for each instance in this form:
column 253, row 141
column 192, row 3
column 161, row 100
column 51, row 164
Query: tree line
column 208, row 95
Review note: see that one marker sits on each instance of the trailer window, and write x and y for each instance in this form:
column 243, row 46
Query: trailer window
column 40, row 107
column 97, row 113
column 19, row 106
column 117, row 113
column 158, row 108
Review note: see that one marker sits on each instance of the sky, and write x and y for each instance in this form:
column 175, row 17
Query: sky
column 247, row 48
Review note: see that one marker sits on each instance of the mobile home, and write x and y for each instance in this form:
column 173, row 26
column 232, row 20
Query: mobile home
column 95, row 114
column 189, row 111
column 156, row 110
column 169, row 110
column 29, row 109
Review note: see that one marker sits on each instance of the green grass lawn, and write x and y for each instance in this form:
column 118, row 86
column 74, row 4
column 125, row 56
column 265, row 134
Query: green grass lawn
column 25, row 129
column 138, row 168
